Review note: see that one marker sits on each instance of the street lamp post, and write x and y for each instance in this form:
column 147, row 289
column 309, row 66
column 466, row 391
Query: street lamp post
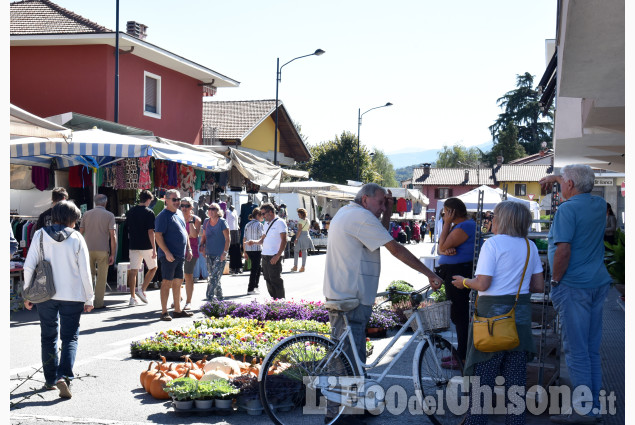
column 359, row 124
column 318, row 52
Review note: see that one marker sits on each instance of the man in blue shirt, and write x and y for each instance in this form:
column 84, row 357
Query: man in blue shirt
column 174, row 248
column 579, row 283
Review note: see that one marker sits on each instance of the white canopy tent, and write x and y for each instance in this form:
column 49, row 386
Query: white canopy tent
column 25, row 124
column 491, row 197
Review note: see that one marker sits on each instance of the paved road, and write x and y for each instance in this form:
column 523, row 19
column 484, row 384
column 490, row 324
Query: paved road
column 112, row 393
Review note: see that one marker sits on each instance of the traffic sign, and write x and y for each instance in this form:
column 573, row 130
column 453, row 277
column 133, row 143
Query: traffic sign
column 623, row 188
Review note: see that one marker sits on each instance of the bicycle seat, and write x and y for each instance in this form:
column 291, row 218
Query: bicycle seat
column 341, row 305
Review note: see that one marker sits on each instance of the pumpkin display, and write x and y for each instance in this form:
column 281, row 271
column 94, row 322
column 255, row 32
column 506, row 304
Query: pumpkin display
column 157, row 386
column 213, row 375
column 149, row 377
column 172, row 372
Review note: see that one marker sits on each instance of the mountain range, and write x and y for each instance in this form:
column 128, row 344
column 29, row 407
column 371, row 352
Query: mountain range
column 417, row 157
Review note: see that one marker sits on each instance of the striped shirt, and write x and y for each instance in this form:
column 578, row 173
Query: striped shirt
column 253, row 232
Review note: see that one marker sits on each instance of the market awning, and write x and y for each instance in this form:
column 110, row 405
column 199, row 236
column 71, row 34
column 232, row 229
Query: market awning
column 25, row 124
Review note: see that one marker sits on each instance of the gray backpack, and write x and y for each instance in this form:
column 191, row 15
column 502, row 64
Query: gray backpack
column 42, row 287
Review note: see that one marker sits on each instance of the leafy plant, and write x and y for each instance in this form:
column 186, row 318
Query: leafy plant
column 247, row 385
column 181, row 388
column 204, row 390
column 223, row 390
column 400, row 285
column 615, row 257
column 439, row 295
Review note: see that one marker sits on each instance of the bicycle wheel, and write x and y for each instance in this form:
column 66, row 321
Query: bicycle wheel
column 290, row 384
column 433, row 380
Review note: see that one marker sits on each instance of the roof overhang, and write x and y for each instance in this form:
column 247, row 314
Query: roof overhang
column 590, row 106
column 76, row 121
column 141, row 49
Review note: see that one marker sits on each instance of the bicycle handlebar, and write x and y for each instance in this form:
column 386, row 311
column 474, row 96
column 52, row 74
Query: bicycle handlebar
column 392, row 292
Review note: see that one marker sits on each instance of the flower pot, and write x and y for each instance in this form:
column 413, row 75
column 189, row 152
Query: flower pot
column 203, row 404
column 183, row 404
column 223, row 404
column 253, row 403
column 376, row 332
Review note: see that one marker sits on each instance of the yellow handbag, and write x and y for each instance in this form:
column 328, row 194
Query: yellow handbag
column 497, row 333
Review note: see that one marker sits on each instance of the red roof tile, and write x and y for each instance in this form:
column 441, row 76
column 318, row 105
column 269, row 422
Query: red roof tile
column 30, row 17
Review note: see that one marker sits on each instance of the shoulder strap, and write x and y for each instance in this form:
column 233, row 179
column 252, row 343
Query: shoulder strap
column 270, row 226
column 41, row 244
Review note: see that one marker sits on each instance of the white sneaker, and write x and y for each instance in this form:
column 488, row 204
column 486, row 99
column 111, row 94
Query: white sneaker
column 256, row 291
column 142, row 296
column 251, row 292
column 187, row 306
column 133, row 302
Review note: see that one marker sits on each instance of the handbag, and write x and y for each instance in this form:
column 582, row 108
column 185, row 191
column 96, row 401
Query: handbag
column 42, row 287
column 498, row 333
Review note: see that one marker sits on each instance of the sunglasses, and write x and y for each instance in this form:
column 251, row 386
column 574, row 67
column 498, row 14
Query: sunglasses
column 186, row 206
column 175, row 199
column 213, row 209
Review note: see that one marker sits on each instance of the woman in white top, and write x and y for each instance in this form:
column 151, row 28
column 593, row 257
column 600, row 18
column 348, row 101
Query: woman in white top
column 302, row 242
column 498, row 276
column 67, row 252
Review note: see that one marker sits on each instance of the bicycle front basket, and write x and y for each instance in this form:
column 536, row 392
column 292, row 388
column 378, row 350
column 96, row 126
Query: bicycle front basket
column 435, row 316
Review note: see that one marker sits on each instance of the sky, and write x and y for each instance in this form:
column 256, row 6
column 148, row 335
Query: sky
column 442, row 64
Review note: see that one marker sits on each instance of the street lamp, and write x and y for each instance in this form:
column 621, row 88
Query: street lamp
column 318, row 52
column 359, row 124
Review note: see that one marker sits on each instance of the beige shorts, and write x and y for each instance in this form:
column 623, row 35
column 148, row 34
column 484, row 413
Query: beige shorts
column 137, row 255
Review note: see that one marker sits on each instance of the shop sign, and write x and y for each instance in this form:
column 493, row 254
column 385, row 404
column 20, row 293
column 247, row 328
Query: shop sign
column 603, row 182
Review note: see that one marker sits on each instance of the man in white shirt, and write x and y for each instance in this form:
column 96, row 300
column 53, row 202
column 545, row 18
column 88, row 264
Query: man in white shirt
column 353, row 262
column 273, row 242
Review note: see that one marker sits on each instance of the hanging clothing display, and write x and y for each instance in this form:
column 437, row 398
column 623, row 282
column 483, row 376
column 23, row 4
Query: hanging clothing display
column 40, row 177
column 200, row 179
column 120, row 175
column 408, row 205
column 173, row 175
column 79, row 176
column 236, row 180
column 132, row 174
column 186, row 177
column 160, row 174
column 144, row 173
column 416, row 208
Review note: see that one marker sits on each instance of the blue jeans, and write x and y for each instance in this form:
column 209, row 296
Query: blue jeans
column 357, row 319
column 580, row 311
column 215, row 269
column 68, row 314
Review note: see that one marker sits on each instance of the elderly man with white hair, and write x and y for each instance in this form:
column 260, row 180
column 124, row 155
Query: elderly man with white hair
column 580, row 283
column 99, row 230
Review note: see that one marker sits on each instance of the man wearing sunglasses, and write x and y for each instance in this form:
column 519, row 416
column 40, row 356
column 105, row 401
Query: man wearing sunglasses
column 174, row 249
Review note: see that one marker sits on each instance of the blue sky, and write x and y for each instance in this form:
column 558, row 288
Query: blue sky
column 442, row 64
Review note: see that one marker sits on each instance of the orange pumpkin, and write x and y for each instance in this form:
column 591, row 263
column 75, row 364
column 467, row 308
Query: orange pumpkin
column 172, row 372
column 157, row 386
column 145, row 372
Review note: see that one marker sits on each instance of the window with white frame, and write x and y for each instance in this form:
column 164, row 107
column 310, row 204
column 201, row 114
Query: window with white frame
column 443, row 193
column 520, row 190
column 152, row 95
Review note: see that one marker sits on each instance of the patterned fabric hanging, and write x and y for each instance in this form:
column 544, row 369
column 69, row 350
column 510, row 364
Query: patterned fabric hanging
column 144, row 173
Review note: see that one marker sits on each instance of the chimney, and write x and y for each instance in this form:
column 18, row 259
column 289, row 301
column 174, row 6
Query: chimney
column 426, row 169
column 136, row 29
column 499, row 160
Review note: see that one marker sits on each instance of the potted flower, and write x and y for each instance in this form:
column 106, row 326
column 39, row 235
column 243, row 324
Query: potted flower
column 379, row 321
column 182, row 390
column 204, row 394
column 224, row 393
column 249, row 396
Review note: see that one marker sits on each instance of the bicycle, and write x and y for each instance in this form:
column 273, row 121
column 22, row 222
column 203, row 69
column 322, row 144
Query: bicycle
column 308, row 378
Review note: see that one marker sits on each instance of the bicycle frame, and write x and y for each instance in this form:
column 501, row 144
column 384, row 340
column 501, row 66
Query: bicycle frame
column 361, row 367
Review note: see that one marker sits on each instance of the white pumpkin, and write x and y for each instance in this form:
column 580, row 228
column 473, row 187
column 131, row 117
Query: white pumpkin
column 213, row 375
column 223, row 364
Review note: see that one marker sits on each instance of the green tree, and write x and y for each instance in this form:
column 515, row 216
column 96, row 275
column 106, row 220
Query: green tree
column 383, row 166
column 405, row 173
column 450, row 157
column 520, row 107
column 335, row 161
column 507, row 146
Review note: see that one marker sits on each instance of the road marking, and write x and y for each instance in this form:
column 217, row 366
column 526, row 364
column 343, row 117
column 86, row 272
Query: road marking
column 69, row 419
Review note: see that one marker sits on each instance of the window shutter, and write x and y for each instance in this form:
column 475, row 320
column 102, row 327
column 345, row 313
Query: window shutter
column 151, row 94
column 436, row 194
column 450, row 193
